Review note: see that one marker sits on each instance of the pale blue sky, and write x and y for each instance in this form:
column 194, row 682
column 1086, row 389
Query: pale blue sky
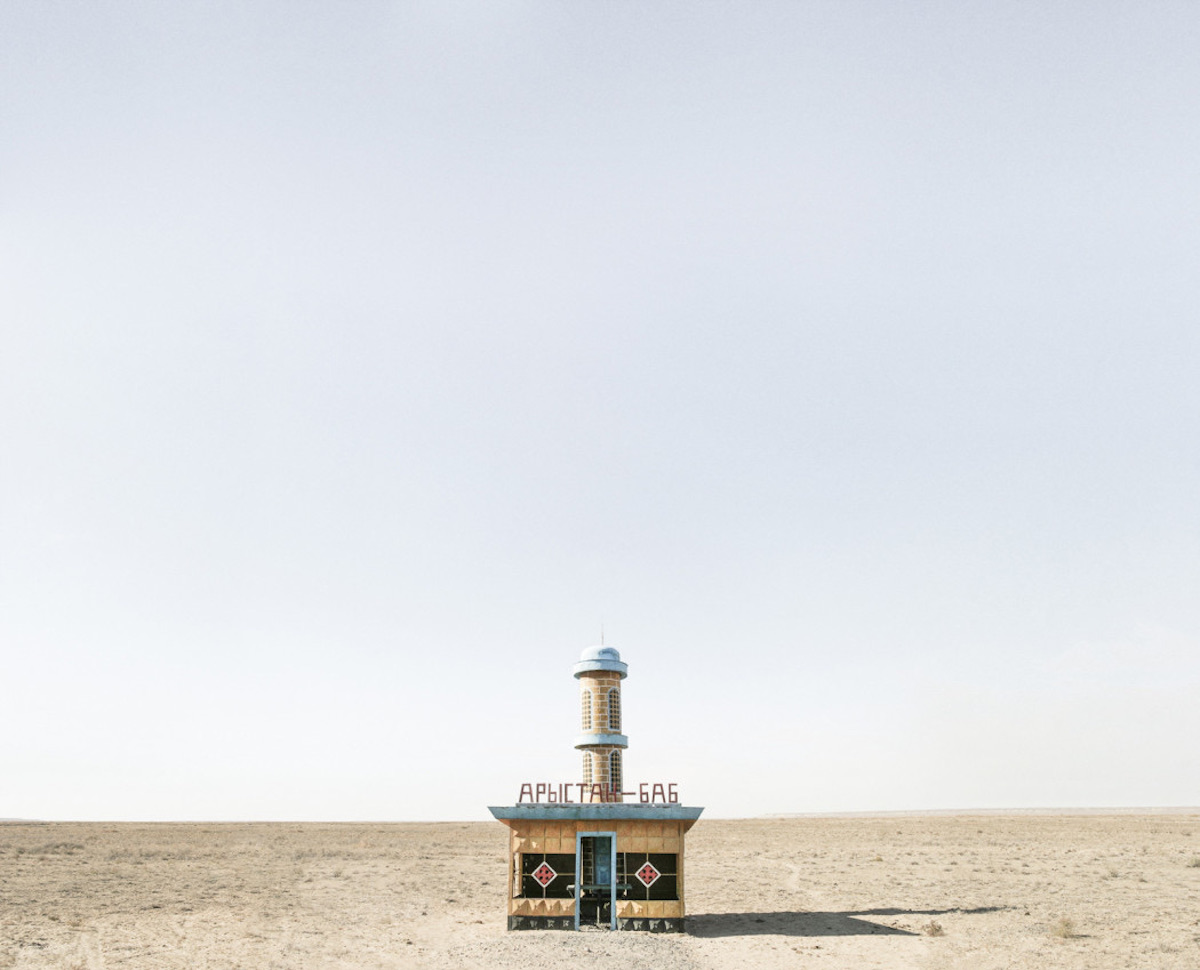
column 360, row 359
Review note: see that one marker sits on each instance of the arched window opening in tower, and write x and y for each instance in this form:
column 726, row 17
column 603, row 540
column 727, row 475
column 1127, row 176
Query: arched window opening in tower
column 586, row 698
column 614, row 710
column 614, row 770
column 587, row 767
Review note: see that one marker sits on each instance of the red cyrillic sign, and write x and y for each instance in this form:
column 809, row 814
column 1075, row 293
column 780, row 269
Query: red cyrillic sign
column 542, row 793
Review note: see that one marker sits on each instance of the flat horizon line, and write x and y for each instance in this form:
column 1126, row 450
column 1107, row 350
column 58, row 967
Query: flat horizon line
column 889, row 813
column 1040, row 810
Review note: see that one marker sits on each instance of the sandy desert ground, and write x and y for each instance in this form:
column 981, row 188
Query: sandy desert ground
column 983, row 892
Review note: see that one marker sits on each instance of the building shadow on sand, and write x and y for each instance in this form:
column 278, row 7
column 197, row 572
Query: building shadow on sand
column 811, row 924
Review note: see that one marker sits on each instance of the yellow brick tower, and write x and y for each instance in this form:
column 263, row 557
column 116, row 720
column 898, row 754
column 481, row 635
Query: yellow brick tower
column 602, row 852
column 600, row 672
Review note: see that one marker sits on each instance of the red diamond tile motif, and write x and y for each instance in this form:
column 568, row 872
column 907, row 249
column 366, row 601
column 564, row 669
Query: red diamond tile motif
column 647, row 874
column 544, row 875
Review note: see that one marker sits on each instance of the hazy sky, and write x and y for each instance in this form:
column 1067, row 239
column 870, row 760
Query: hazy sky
column 361, row 359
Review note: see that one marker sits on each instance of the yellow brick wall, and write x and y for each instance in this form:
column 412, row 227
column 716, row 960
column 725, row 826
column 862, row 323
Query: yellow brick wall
column 541, row 907
column 651, row 908
column 598, row 683
column 601, row 774
column 632, row 836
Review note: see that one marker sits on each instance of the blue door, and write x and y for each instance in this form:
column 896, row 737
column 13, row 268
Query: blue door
column 603, row 860
column 595, row 887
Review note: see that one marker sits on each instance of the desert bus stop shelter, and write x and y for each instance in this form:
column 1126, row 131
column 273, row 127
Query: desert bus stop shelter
column 615, row 866
column 597, row 860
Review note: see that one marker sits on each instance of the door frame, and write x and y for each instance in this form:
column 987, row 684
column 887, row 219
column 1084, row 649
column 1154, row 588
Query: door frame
column 612, row 889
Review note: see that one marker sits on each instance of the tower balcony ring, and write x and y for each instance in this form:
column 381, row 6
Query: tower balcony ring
column 602, row 741
column 618, row 667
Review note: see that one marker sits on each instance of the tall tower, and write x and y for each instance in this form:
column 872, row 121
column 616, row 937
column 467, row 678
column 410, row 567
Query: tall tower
column 574, row 863
column 600, row 672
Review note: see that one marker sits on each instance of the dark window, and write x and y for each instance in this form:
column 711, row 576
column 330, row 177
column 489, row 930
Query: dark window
column 586, row 697
column 563, row 864
column 614, row 770
column 666, row 886
column 614, row 710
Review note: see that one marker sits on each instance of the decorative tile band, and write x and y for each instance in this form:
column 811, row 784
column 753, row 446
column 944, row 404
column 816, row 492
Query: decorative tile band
column 541, row 922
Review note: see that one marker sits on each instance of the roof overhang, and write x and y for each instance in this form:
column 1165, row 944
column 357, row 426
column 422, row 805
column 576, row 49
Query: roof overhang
column 595, row 812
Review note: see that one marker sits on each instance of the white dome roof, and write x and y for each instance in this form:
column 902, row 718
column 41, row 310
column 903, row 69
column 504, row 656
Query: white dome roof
column 601, row 658
column 600, row 653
